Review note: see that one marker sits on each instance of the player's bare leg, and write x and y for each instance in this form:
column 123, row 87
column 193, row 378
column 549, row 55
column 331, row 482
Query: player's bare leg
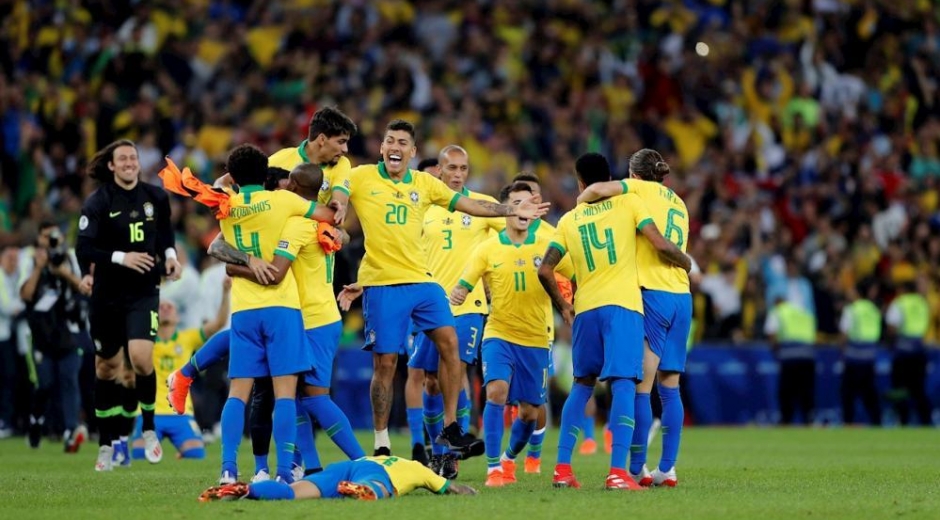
column 381, row 393
column 449, row 378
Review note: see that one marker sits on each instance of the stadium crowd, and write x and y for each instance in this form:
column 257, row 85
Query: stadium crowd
column 804, row 135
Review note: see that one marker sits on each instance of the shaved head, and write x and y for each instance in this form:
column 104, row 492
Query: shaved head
column 305, row 180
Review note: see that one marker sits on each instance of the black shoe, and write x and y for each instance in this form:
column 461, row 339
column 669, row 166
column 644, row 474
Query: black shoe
column 35, row 432
column 449, row 466
column 382, row 452
column 435, row 464
column 457, row 441
column 419, row 454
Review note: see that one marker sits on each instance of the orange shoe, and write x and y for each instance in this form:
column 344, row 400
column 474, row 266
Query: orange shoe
column 588, row 447
column 178, row 386
column 509, row 471
column 563, row 477
column 608, row 441
column 620, row 480
column 224, row 492
column 357, row 491
column 533, row 465
column 495, row 478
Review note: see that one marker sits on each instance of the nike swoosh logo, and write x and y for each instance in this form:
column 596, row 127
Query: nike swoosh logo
column 496, row 266
column 428, row 222
column 114, row 214
column 375, row 193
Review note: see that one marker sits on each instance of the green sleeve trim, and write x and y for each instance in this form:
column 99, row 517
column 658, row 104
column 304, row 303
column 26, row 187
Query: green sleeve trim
column 202, row 334
column 559, row 247
column 643, row 223
column 453, row 202
column 444, row 488
column 341, row 188
column 465, row 285
column 285, row 254
column 313, row 207
column 626, row 187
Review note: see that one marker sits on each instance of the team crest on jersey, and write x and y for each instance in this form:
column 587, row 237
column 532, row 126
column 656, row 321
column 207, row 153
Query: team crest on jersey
column 414, row 197
column 448, row 221
column 537, row 261
column 83, row 223
column 179, row 350
column 325, row 186
column 148, row 210
column 466, row 221
column 520, row 262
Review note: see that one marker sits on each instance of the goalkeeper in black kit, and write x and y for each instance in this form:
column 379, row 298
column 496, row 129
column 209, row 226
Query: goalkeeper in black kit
column 125, row 247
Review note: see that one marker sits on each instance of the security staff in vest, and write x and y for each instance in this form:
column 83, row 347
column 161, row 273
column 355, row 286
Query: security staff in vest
column 792, row 333
column 860, row 326
column 908, row 320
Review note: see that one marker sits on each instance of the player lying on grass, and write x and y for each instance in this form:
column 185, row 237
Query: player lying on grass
column 367, row 478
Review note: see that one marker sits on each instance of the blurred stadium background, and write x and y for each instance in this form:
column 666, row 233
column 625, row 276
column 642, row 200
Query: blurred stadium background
column 802, row 134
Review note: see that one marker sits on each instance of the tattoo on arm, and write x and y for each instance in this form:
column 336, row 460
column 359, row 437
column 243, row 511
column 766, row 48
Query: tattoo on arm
column 224, row 252
column 493, row 209
column 547, row 277
column 674, row 255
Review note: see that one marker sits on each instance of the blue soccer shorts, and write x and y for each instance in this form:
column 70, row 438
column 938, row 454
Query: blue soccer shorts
column 469, row 335
column 359, row 471
column 323, row 342
column 178, row 428
column 389, row 310
column 268, row 342
column 667, row 320
column 524, row 368
column 608, row 343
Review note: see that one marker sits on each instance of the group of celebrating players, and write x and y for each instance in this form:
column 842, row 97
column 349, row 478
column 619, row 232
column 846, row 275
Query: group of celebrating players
column 503, row 267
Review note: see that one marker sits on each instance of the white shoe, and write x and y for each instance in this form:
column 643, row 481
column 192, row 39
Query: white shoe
column 152, row 449
column 227, row 478
column 643, row 478
column 261, row 476
column 104, row 459
column 667, row 478
column 117, row 456
column 297, row 473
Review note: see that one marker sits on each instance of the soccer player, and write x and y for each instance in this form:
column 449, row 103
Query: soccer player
column 367, row 478
column 449, row 239
column 267, row 326
column 391, row 201
column 125, row 231
column 300, row 252
column 608, row 327
column 667, row 312
column 326, row 145
column 173, row 348
column 515, row 340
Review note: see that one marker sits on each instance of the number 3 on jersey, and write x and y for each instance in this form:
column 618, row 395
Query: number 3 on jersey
column 137, row 232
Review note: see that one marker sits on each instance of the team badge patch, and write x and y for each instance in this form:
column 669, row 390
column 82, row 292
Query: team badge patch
column 325, row 186
column 537, row 261
column 466, row 220
column 148, row 210
column 179, row 350
column 414, row 197
column 83, row 223
column 283, row 244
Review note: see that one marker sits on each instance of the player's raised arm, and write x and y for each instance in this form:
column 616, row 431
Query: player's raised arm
column 484, row 208
column 601, row 190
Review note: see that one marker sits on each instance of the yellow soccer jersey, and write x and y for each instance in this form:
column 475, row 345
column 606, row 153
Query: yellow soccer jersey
column 392, row 215
column 670, row 214
column 601, row 240
column 254, row 225
column 336, row 176
column 449, row 239
column 170, row 355
column 313, row 270
column 408, row 475
column 520, row 306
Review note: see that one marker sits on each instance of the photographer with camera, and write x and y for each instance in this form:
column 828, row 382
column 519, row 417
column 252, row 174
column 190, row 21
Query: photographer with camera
column 50, row 289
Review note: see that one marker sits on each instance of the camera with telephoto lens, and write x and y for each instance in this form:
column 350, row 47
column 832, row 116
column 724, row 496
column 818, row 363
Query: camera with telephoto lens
column 57, row 250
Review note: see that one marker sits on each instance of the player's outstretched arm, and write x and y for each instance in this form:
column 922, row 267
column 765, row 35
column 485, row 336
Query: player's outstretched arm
column 484, row 208
column 600, row 190
column 460, row 489
column 547, row 278
column 667, row 250
column 264, row 273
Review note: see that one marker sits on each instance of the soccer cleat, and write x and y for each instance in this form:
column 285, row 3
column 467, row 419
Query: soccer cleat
column 75, row 439
column 152, row 449
column 495, row 478
column 463, row 444
column 228, row 478
column 419, row 454
column 178, row 390
column 617, row 481
column 588, row 447
column 533, row 465
column 643, row 478
column 117, row 457
column 103, row 463
column 564, row 478
column 449, row 466
column 383, row 451
column 476, row 449
column 509, row 471
column 435, row 463
column 357, row 491
column 232, row 491
column 667, row 478
column 261, row 476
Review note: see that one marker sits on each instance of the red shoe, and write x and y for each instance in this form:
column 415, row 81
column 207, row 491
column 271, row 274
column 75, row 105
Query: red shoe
column 563, row 477
column 509, row 471
column 533, row 465
column 225, row 492
column 620, row 480
column 495, row 479
column 588, row 447
column 178, row 390
column 357, row 491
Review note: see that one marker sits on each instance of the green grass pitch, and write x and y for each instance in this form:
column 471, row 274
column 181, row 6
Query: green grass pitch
column 744, row 473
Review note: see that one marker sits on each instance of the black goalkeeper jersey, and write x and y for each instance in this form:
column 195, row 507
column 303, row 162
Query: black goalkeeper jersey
column 135, row 220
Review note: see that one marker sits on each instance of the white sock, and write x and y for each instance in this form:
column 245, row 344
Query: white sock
column 539, row 432
column 382, row 440
column 505, row 456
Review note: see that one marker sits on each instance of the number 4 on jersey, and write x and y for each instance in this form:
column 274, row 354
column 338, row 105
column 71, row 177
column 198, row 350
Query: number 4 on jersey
column 590, row 241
